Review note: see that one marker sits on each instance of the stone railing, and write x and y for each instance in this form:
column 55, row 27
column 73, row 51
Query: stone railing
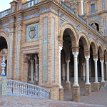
column 4, row 13
column 17, row 88
column 30, row 3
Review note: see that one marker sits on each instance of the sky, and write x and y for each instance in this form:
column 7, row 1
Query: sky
column 4, row 4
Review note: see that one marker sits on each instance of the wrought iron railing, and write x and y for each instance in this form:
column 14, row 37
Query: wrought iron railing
column 30, row 3
column 17, row 88
column 4, row 13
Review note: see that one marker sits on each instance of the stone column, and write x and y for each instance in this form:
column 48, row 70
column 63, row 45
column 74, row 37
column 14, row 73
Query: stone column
column 106, row 70
column 32, row 70
column 96, row 70
column 3, row 65
column 63, row 71
column 61, row 90
column 68, row 84
column 76, row 88
column 84, row 71
column 25, row 75
column 96, row 83
column 87, row 84
column 36, row 76
column 102, row 71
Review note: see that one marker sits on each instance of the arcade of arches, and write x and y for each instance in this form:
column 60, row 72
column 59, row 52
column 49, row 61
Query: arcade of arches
column 83, row 67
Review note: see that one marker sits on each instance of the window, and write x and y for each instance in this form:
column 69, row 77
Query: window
column 95, row 26
column 92, row 8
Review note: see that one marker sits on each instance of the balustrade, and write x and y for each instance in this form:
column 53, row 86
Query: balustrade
column 16, row 88
column 4, row 13
column 30, row 3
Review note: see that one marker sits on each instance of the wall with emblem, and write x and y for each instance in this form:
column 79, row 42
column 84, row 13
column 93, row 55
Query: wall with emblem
column 32, row 32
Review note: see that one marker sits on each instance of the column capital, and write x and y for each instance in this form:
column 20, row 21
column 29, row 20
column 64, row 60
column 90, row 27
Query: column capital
column 87, row 57
column 102, row 61
column 95, row 56
column 68, row 60
column 75, row 53
column 95, row 59
column 60, row 48
column 31, row 60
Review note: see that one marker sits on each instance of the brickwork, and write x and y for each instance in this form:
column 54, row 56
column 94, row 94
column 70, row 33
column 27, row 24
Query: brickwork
column 54, row 22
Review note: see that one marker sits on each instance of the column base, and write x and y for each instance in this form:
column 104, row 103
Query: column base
column 95, row 86
column 87, row 89
column 68, row 86
column 102, row 84
column 61, row 94
column 76, row 93
column 54, row 92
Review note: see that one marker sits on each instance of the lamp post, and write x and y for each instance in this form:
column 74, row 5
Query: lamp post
column 3, row 64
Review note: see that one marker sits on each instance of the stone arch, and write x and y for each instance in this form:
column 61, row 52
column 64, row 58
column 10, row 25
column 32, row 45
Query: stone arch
column 73, row 34
column 85, row 41
column 94, row 48
column 105, row 55
column 101, row 52
column 5, row 35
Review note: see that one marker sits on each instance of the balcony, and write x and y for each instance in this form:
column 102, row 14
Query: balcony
column 30, row 4
column 4, row 13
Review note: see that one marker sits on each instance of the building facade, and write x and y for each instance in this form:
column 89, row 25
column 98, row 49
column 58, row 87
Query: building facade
column 59, row 45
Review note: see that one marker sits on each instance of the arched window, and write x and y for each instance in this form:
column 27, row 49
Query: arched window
column 95, row 26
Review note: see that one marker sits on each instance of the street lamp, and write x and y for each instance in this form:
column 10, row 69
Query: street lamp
column 3, row 64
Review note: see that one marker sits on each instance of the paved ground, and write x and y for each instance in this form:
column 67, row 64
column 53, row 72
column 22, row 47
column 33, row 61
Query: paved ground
column 99, row 97
column 28, row 102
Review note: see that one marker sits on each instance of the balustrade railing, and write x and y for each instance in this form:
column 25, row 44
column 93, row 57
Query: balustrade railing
column 17, row 88
column 30, row 3
column 4, row 13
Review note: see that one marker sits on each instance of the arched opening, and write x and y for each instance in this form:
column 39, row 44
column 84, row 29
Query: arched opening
column 92, row 64
column 99, row 64
column 67, row 64
column 3, row 45
column 95, row 26
column 105, row 65
column 82, row 64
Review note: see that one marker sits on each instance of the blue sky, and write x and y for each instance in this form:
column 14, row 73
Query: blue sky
column 4, row 4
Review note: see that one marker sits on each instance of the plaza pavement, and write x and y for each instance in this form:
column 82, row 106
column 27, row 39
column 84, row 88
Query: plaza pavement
column 99, row 98
column 29, row 102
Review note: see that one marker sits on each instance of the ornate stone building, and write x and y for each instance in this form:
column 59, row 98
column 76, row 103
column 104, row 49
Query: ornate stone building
column 59, row 45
